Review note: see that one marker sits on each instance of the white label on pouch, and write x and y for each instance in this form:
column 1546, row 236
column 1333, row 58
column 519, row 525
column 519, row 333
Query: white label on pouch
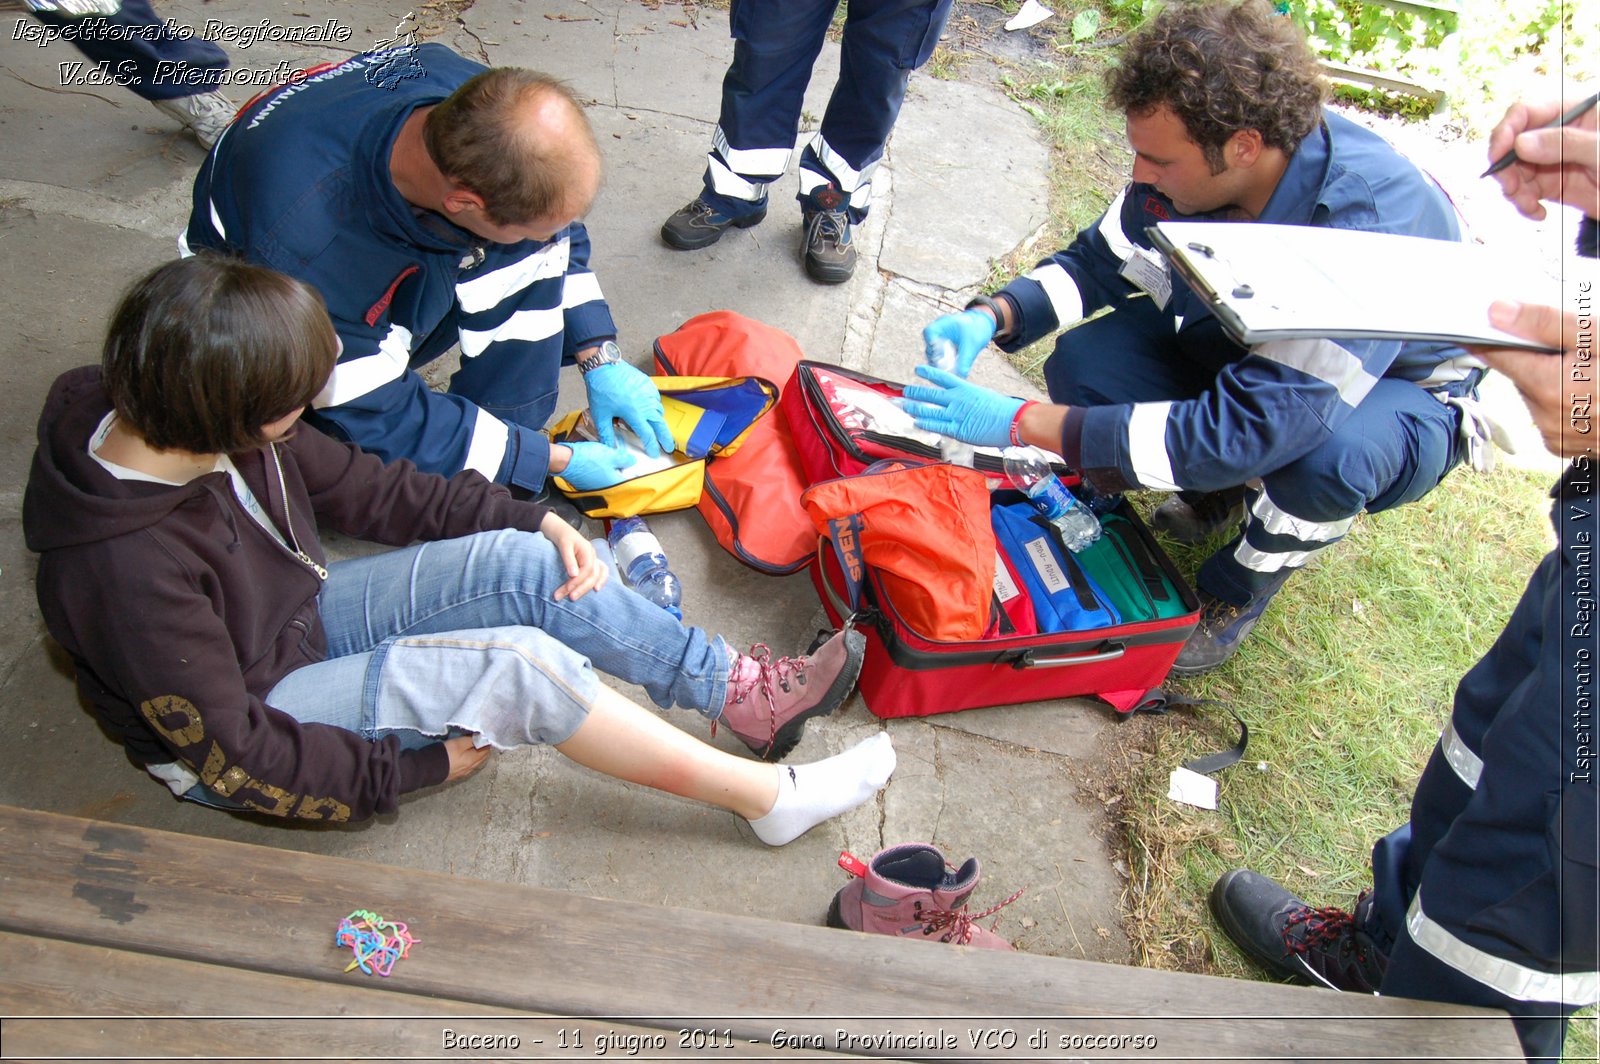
column 1148, row 270
column 1005, row 588
column 1047, row 567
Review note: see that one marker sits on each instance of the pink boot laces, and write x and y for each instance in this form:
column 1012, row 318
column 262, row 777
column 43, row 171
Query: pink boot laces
column 768, row 670
column 957, row 923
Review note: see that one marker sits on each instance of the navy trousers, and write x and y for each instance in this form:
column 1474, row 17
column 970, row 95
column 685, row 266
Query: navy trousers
column 1394, row 447
column 136, row 61
column 775, row 47
column 1490, row 892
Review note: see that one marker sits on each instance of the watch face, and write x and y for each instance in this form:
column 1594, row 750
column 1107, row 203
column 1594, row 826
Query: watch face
column 609, row 352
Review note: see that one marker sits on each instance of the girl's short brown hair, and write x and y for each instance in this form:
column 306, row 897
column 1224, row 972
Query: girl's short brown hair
column 205, row 351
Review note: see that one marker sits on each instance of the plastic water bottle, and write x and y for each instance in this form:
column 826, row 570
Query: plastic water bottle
column 643, row 565
column 942, row 354
column 1030, row 473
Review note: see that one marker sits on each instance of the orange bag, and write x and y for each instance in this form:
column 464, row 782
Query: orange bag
column 752, row 497
column 925, row 530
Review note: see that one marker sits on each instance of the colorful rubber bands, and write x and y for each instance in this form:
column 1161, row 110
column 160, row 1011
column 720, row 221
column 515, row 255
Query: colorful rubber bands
column 377, row 943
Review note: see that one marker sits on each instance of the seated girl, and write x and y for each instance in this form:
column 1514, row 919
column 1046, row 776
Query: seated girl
column 174, row 503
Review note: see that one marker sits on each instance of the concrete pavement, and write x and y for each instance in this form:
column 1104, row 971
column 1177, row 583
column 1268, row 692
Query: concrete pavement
column 93, row 188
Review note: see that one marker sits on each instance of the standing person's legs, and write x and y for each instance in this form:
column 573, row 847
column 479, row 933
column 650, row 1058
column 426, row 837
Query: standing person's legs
column 1491, row 891
column 142, row 53
column 775, row 47
column 884, row 40
column 178, row 74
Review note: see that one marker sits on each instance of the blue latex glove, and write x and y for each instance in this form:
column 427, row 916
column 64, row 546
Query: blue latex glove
column 960, row 409
column 618, row 390
column 970, row 332
column 594, row 465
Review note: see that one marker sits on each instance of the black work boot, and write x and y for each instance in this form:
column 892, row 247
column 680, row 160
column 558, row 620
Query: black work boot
column 1222, row 627
column 827, row 244
column 1196, row 516
column 698, row 225
column 1323, row 947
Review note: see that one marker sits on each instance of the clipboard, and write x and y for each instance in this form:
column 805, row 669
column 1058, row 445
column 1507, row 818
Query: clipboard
column 1288, row 282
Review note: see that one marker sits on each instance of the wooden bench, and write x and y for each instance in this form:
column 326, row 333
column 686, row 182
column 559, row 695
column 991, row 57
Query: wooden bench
column 125, row 941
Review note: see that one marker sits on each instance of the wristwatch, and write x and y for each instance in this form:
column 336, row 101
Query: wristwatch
column 993, row 307
column 608, row 353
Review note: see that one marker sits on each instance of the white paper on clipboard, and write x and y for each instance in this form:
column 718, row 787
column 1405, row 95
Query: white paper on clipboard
column 1288, row 282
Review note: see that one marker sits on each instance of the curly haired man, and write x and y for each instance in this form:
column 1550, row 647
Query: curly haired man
column 1281, row 444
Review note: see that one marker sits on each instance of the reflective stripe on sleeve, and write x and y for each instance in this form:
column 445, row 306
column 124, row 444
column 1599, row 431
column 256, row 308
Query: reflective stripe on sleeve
column 1061, row 290
column 488, row 448
column 1147, row 446
column 1466, row 764
column 580, row 288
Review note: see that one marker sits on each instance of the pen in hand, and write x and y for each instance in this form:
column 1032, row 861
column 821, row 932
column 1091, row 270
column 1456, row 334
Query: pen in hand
column 1567, row 119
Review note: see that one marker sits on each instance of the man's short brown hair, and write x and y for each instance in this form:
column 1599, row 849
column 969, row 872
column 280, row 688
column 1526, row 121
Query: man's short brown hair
column 479, row 137
column 1223, row 67
column 205, row 351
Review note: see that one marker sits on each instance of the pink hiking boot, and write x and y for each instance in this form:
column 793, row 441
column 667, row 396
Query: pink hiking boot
column 769, row 701
column 911, row 892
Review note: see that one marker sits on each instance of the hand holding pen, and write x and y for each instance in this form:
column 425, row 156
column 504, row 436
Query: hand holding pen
column 1545, row 152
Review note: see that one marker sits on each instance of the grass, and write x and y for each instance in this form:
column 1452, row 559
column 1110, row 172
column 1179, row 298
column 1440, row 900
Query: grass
column 1344, row 685
column 1348, row 679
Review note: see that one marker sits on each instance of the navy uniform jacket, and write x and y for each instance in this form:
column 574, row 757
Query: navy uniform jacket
column 1282, row 399
column 300, row 182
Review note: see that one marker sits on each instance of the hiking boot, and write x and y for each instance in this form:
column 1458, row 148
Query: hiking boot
column 1194, row 516
column 1221, row 629
column 1323, row 947
column 910, row 891
column 206, row 114
column 698, row 225
column 828, row 251
column 769, row 701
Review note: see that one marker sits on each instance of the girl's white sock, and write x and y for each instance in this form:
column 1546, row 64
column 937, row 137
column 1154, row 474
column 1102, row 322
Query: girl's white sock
column 810, row 794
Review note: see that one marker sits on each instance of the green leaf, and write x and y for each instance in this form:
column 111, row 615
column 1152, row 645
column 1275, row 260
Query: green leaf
column 1086, row 24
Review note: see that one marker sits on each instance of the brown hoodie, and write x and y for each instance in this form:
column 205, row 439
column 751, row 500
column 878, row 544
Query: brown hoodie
column 180, row 612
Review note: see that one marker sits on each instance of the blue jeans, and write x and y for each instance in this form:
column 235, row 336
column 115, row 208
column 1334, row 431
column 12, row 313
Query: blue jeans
column 462, row 635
